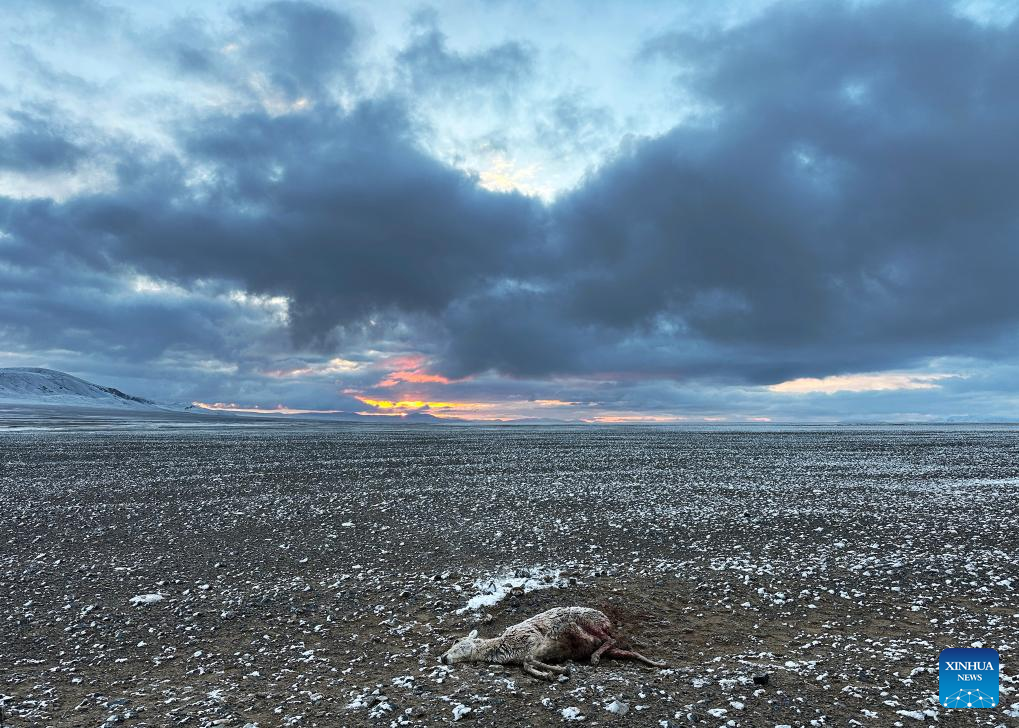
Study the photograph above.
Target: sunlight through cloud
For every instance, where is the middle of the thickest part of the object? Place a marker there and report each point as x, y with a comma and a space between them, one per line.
878, 382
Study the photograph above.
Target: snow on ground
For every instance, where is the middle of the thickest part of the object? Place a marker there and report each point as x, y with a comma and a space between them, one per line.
143, 599
493, 589
796, 577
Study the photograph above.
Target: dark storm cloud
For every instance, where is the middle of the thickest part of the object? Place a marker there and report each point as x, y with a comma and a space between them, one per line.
341, 213
300, 45
52, 305
846, 202
37, 143
849, 204
515, 331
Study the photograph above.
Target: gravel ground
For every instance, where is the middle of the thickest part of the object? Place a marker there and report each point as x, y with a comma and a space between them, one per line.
310, 575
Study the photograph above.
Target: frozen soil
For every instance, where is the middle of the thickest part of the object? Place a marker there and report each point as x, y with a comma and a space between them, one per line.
310, 575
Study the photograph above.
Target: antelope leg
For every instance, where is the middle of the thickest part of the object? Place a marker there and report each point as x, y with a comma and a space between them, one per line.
617, 652
607, 645
532, 670
551, 668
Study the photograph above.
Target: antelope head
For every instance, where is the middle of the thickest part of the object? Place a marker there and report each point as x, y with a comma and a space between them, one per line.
462, 651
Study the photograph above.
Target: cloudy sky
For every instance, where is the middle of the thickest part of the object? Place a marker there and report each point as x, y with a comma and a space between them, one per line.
742, 210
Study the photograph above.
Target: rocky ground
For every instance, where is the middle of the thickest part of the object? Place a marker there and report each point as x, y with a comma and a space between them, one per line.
310, 575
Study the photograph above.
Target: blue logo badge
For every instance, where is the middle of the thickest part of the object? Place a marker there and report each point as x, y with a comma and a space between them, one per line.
968, 677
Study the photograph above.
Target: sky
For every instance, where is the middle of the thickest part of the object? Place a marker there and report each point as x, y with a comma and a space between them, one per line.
735, 211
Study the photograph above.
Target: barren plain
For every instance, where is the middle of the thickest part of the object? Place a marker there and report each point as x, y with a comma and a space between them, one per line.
309, 575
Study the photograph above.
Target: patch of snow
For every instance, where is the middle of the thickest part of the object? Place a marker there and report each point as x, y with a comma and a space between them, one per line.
143, 599
617, 707
572, 714
493, 589
914, 714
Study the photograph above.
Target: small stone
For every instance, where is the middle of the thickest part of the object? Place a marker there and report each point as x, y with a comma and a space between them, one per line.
761, 678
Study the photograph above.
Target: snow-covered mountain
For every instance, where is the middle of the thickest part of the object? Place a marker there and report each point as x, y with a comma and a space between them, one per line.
31, 386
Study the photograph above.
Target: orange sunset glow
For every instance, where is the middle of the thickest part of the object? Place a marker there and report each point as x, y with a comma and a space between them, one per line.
405, 404
457, 410
408, 369
414, 377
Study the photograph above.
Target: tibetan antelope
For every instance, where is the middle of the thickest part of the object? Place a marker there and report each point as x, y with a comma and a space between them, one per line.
564, 633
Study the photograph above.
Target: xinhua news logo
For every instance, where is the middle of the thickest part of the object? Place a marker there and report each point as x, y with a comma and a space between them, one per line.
968, 677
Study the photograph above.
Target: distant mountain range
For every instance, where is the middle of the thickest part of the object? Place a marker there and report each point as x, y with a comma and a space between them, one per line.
35, 386
48, 390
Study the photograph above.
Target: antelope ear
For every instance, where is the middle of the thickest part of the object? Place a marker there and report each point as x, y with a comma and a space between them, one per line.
473, 634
